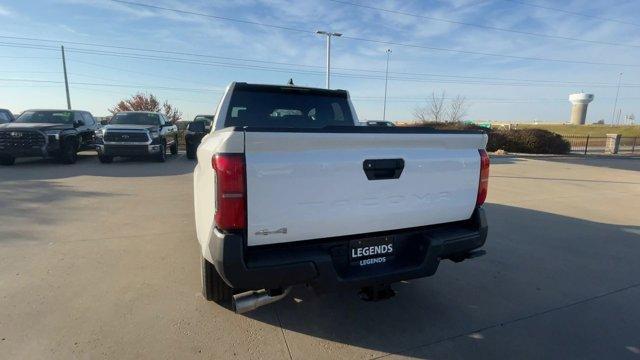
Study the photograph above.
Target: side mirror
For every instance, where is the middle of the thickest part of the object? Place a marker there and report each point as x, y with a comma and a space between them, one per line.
197, 127
104, 122
79, 123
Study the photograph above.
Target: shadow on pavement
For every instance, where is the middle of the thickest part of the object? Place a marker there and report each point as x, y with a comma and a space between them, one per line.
568, 180
537, 264
88, 164
34, 200
631, 163
504, 159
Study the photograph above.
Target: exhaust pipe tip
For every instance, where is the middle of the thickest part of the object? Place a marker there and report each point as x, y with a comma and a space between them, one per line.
251, 300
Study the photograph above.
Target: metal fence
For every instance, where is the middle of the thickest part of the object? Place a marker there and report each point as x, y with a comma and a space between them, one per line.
629, 144
586, 144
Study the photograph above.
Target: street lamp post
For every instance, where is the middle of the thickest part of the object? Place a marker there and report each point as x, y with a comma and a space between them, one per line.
386, 80
66, 81
615, 104
328, 35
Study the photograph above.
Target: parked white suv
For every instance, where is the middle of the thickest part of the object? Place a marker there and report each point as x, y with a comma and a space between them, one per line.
288, 190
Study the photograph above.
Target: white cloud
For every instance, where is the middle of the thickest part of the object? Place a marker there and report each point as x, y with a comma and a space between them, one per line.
113, 23
4, 11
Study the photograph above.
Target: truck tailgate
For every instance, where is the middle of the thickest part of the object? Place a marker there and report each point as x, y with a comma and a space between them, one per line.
311, 185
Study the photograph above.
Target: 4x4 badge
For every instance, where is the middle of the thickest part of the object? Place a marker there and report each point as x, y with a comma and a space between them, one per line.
16, 134
267, 232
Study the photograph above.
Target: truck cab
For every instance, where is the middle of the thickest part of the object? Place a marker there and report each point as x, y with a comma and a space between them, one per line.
6, 116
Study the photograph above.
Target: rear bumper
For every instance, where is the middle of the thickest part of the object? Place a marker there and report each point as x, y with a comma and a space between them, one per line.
324, 264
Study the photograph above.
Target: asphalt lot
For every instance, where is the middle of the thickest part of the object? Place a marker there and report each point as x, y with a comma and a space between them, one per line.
101, 261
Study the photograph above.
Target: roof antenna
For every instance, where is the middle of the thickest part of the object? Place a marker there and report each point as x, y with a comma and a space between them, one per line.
290, 83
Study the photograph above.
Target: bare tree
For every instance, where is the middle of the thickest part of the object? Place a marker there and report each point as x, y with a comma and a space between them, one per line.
420, 114
457, 109
435, 109
172, 113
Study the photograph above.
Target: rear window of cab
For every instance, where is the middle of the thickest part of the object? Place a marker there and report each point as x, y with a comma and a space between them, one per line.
274, 107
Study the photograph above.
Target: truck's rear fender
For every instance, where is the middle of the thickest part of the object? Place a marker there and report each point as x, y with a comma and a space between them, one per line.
222, 141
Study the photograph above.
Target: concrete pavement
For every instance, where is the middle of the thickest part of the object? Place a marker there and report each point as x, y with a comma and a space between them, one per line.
101, 261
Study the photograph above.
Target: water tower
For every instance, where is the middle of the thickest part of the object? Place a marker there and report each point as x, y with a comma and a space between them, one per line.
580, 102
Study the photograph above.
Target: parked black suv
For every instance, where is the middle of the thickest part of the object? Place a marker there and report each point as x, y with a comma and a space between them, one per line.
137, 133
196, 130
6, 116
46, 133
380, 123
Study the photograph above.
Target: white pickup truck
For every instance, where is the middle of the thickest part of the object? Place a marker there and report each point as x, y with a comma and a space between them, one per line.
290, 190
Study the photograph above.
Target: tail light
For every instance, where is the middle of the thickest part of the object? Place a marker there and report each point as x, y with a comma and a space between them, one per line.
483, 186
231, 205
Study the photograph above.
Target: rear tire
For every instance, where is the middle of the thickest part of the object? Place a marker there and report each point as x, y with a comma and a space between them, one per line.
213, 287
174, 148
162, 155
69, 152
191, 152
7, 160
105, 159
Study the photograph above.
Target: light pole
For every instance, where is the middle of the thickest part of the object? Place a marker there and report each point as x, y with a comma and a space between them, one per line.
386, 80
328, 35
615, 104
66, 82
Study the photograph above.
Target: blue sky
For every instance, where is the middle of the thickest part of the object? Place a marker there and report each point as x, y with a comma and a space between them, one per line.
234, 51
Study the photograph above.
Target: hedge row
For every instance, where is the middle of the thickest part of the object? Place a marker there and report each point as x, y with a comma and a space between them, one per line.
529, 141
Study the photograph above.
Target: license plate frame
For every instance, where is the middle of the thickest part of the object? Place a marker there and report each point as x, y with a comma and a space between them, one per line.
371, 251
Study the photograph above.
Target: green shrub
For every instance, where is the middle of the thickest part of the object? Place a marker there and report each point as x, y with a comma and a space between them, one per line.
529, 141
533, 141
452, 126
497, 140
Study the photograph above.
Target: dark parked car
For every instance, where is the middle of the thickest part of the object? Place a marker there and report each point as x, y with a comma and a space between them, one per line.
196, 130
6, 116
380, 123
206, 119
47, 133
137, 133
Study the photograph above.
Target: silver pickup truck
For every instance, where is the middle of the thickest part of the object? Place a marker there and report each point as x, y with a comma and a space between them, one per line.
137, 133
